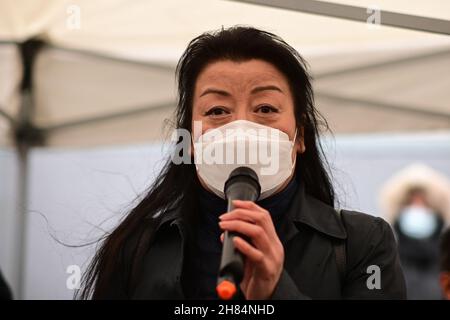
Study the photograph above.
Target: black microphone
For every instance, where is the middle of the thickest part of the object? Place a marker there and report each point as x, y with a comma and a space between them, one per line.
242, 184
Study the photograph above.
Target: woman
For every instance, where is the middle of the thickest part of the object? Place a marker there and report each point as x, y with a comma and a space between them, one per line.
415, 201
295, 245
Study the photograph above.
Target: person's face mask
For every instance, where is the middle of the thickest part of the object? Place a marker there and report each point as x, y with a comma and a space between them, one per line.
417, 222
266, 150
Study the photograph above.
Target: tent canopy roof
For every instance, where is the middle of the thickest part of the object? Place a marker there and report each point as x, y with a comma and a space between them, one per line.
112, 79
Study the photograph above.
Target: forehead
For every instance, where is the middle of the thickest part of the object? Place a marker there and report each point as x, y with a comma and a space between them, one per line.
251, 72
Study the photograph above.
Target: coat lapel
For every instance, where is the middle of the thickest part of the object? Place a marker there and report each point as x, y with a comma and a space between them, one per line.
306, 210
161, 277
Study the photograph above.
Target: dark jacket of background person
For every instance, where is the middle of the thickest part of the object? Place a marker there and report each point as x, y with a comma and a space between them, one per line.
5, 292
420, 263
308, 235
445, 264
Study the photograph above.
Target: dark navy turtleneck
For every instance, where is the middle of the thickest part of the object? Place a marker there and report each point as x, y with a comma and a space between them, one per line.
203, 261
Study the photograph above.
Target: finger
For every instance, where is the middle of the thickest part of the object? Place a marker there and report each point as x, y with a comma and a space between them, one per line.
221, 237
261, 218
247, 205
256, 233
248, 250
242, 214
250, 205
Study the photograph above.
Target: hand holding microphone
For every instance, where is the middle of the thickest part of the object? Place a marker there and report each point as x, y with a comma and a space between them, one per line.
249, 235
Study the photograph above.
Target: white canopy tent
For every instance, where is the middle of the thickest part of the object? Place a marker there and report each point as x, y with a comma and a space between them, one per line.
104, 74
107, 69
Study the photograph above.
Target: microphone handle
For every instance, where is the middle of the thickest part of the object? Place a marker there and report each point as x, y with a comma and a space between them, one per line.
232, 262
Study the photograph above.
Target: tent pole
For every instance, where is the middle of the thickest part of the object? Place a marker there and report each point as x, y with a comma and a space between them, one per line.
383, 64
5, 115
20, 226
348, 12
106, 117
26, 135
429, 112
21, 220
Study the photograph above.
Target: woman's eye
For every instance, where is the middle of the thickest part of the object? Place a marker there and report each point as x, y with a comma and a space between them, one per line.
266, 109
216, 111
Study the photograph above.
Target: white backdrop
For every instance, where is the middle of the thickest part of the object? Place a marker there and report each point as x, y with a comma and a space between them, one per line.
73, 193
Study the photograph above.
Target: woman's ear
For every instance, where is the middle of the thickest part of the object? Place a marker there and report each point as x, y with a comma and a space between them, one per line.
300, 141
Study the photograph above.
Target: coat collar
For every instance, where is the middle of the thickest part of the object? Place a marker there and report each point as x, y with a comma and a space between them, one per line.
316, 214
170, 216
304, 210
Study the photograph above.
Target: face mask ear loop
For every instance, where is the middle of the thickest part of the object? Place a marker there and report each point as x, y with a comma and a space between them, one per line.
295, 136
292, 147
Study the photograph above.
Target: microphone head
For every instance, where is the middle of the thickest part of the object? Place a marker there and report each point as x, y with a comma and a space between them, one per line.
243, 175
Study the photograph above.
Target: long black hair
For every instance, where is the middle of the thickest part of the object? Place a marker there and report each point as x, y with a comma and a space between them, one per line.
176, 181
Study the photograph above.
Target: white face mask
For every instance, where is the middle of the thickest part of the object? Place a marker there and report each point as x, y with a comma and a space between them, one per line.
266, 150
417, 222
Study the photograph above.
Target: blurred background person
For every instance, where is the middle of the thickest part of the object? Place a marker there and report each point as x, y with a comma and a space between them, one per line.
5, 292
416, 203
445, 264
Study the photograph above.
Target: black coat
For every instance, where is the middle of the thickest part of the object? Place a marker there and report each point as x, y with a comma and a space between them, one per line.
5, 292
309, 234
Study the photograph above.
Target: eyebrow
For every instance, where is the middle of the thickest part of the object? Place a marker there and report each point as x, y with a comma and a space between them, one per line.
265, 88
227, 94
215, 91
